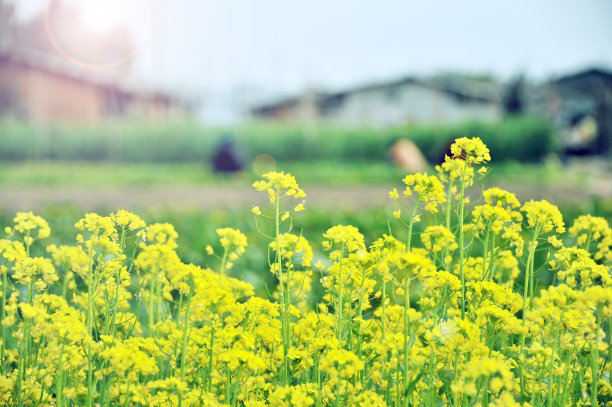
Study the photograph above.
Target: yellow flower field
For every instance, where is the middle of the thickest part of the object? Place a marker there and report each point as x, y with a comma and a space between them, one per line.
457, 315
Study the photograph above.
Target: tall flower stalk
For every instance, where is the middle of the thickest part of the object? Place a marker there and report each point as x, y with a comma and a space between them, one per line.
279, 186
466, 153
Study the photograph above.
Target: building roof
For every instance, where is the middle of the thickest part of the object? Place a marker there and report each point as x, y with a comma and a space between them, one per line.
58, 66
463, 87
592, 72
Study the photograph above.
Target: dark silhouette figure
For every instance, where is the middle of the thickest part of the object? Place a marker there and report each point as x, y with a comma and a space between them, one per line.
514, 96
441, 153
227, 157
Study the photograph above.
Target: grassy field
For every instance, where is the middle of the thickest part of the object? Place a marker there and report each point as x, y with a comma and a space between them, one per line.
51, 173
517, 138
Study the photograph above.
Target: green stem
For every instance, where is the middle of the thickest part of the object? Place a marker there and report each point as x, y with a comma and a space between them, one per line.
283, 293
449, 205
340, 305
549, 397
210, 355
406, 342
223, 260
587, 244
529, 272
431, 396
65, 284
21, 373
461, 244
184, 347
491, 259
595, 359
528, 278
228, 381
2, 328
485, 394
319, 387
358, 326
384, 307
385, 372
411, 224
60, 378
397, 382
152, 302
485, 254
89, 399
111, 327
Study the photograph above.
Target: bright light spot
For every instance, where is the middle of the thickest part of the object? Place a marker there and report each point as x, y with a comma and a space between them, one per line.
263, 163
102, 15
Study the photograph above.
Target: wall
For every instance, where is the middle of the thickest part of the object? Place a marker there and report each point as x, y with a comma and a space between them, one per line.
409, 103
48, 97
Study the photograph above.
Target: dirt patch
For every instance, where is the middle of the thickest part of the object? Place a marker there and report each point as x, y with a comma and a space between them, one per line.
219, 197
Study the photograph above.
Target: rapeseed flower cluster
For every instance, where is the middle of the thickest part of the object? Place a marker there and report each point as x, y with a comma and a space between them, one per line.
462, 316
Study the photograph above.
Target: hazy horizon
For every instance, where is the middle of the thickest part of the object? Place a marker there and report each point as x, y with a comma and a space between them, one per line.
279, 47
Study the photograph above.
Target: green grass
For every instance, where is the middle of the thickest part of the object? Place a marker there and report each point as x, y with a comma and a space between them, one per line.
70, 173
96, 174
517, 138
550, 173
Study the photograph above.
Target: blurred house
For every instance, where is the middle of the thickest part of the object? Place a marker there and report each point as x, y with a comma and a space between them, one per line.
580, 105
444, 99
42, 88
39, 84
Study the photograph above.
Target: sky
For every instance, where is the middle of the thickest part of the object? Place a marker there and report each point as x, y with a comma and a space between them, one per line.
285, 46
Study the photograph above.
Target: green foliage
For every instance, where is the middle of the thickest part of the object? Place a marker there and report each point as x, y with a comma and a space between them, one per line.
521, 138
104, 173
197, 229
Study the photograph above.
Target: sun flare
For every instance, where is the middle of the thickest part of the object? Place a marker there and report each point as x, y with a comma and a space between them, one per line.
102, 15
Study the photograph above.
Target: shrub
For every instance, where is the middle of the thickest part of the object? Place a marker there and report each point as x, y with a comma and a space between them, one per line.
522, 139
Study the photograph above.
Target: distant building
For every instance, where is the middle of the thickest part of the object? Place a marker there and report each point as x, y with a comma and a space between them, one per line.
440, 100
580, 105
41, 88
38, 84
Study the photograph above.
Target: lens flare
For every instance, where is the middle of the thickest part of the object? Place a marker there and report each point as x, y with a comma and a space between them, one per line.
263, 163
101, 15
98, 15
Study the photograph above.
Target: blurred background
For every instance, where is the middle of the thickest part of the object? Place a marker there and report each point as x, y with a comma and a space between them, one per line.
173, 108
